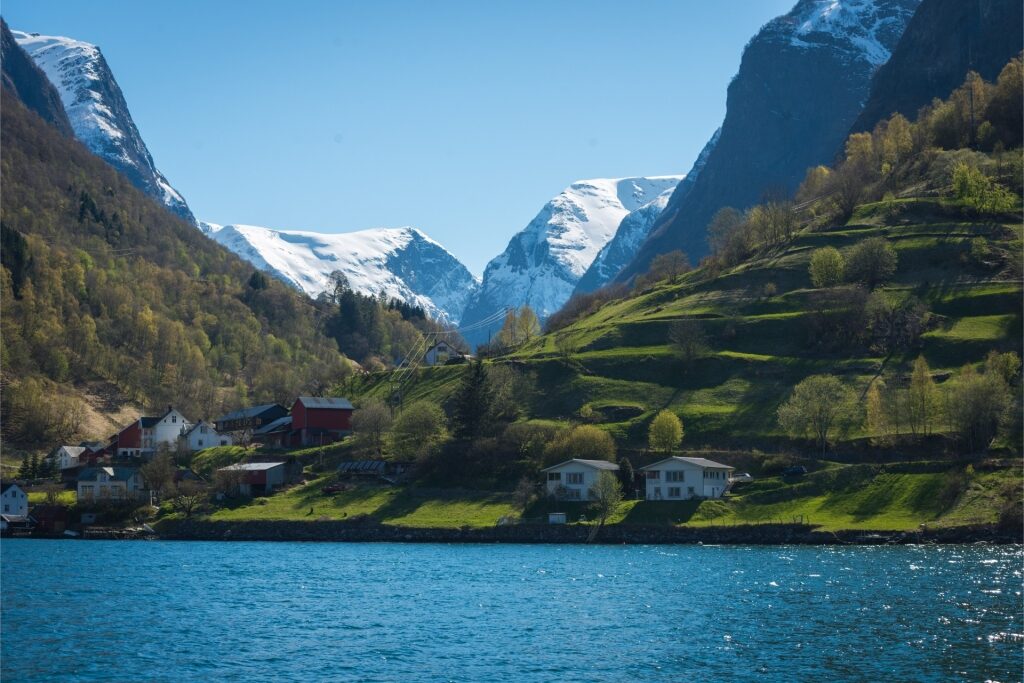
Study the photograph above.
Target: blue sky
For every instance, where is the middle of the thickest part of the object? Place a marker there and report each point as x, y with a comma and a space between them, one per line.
460, 118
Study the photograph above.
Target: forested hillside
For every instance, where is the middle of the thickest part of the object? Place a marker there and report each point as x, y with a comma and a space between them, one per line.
104, 291
887, 291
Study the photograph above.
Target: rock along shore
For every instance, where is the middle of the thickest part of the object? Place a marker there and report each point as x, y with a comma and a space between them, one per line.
762, 534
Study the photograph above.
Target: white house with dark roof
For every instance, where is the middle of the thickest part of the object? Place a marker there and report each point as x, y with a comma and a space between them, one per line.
202, 434
678, 478
573, 479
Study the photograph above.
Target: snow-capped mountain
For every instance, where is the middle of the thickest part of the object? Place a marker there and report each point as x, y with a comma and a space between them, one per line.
400, 262
802, 82
98, 112
542, 264
635, 227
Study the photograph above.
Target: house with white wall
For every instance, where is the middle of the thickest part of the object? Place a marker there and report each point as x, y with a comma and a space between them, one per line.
111, 484
574, 479
68, 457
202, 434
678, 478
13, 500
440, 353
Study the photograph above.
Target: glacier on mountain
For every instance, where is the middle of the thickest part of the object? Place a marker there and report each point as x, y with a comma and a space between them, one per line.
542, 263
401, 263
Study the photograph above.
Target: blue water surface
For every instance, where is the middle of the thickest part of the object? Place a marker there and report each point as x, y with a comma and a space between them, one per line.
195, 611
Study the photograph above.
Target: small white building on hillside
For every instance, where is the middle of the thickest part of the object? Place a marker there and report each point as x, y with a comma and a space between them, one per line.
679, 478
68, 457
573, 479
202, 435
13, 500
440, 353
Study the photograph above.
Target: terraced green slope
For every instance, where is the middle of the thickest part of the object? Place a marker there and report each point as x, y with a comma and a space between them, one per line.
755, 316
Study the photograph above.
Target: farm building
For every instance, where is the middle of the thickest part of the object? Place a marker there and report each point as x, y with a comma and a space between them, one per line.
259, 478
679, 478
319, 420
573, 479
250, 419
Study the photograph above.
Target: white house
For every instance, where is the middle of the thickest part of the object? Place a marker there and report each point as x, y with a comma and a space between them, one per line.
68, 457
164, 430
573, 479
202, 435
13, 501
440, 353
110, 484
679, 478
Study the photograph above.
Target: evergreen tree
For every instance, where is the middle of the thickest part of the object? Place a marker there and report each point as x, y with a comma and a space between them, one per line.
473, 402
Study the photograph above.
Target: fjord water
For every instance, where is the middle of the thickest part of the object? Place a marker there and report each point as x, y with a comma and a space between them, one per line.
179, 611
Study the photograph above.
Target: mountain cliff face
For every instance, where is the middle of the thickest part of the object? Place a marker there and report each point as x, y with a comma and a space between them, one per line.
944, 40
98, 113
24, 80
542, 263
399, 262
802, 82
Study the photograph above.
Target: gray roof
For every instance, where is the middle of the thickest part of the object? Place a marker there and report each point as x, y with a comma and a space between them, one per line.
116, 473
253, 466
249, 412
73, 450
278, 424
4, 487
336, 403
596, 464
699, 462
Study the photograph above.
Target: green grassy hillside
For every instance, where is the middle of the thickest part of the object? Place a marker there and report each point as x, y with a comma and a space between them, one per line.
756, 318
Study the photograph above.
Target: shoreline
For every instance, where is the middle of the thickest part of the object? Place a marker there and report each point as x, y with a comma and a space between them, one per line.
347, 532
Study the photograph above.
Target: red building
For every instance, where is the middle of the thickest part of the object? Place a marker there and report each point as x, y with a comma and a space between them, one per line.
317, 420
128, 441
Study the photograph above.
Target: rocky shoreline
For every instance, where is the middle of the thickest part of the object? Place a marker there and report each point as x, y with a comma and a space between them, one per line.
762, 534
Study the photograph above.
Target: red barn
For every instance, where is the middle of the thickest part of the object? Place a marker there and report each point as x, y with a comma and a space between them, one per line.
317, 420
128, 442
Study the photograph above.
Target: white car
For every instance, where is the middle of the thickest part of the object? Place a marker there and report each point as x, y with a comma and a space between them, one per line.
741, 477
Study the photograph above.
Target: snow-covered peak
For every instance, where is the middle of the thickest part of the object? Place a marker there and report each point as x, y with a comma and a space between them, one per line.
868, 29
403, 263
542, 263
98, 112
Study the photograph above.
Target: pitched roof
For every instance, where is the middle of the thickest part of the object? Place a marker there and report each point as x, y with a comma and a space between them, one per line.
4, 487
252, 411
72, 450
197, 424
148, 421
331, 402
280, 424
596, 464
367, 466
253, 466
699, 462
115, 473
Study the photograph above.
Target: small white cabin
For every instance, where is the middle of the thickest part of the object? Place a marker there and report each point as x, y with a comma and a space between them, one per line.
440, 353
679, 478
13, 500
573, 479
68, 457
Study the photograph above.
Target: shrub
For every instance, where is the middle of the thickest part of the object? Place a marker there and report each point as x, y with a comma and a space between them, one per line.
827, 267
871, 262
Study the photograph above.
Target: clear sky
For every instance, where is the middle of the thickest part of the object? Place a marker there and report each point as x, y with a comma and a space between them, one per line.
459, 118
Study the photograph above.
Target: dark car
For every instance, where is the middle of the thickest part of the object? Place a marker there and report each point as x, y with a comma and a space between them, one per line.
335, 488
794, 471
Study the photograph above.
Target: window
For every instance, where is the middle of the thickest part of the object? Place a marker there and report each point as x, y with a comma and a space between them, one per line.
573, 477
7, 508
691, 491
675, 475
657, 492
174, 418
554, 476
200, 443
653, 474
572, 494
675, 492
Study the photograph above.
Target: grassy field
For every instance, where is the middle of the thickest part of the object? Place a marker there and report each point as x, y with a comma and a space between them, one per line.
65, 498
755, 317
391, 505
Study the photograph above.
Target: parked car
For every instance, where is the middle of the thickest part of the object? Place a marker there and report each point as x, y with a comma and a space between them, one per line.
742, 477
794, 471
335, 488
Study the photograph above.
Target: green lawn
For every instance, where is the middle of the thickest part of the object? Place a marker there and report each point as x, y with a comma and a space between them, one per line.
391, 505
65, 497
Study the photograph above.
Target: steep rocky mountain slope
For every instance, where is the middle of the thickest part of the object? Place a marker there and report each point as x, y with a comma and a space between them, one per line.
801, 84
24, 80
98, 112
944, 40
